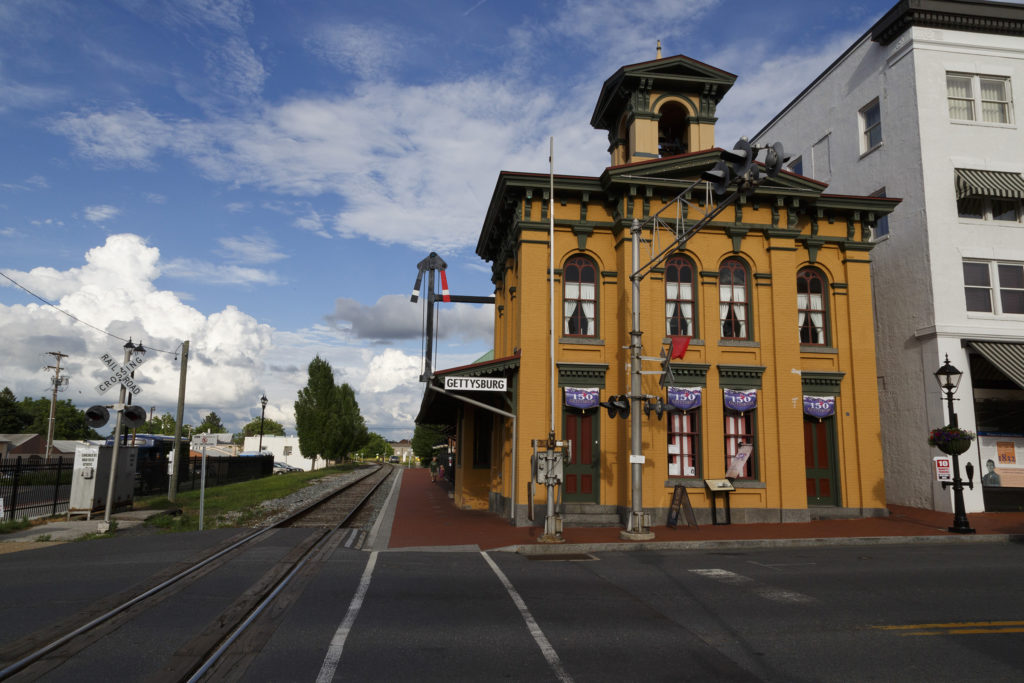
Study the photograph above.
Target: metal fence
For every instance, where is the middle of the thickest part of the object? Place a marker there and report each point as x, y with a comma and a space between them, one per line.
30, 489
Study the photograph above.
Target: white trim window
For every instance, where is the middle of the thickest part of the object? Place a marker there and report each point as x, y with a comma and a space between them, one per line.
870, 126
994, 287
580, 297
684, 443
970, 93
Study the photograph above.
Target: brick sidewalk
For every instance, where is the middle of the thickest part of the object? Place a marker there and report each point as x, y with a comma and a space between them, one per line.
425, 517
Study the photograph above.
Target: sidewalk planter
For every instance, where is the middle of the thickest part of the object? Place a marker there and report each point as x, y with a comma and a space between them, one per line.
951, 440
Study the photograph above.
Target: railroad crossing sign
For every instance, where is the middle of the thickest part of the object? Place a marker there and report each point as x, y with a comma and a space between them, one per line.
121, 374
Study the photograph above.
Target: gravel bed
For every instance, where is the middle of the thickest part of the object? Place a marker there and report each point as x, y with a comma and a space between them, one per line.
280, 508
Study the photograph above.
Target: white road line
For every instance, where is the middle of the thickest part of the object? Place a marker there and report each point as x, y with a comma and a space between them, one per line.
538, 635
766, 592
330, 664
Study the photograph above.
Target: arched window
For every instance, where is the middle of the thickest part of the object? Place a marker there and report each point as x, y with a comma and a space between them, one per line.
679, 297
810, 303
579, 296
732, 300
672, 130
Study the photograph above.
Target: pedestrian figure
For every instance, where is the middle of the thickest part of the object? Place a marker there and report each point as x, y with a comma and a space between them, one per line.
433, 469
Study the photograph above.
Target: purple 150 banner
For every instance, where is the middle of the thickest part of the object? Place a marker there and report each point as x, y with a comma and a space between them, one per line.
820, 406
581, 398
740, 400
684, 398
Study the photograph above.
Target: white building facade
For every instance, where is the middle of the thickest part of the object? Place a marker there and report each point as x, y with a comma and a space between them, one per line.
285, 449
923, 107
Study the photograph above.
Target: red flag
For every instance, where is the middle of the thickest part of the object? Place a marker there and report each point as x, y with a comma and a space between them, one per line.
679, 346
445, 295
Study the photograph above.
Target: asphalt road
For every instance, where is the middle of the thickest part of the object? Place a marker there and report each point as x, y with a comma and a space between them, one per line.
829, 614
881, 613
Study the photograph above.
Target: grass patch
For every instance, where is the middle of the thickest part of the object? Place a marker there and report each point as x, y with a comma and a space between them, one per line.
233, 505
12, 525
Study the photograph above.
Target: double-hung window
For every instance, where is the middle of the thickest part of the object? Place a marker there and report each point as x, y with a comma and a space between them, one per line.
732, 299
679, 293
811, 311
870, 127
684, 443
739, 430
579, 297
973, 97
994, 287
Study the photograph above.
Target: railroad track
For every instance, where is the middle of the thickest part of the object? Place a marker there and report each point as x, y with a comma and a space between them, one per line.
212, 652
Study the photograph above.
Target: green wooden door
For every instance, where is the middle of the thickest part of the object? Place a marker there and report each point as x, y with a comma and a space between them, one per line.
820, 460
583, 473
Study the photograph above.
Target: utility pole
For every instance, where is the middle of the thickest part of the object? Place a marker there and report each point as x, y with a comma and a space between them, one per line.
172, 487
57, 384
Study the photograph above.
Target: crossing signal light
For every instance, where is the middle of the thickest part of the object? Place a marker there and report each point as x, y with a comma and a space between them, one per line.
740, 158
775, 157
718, 177
655, 404
96, 416
617, 406
134, 416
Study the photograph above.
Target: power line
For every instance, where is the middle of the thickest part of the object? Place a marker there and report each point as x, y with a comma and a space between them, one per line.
76, 319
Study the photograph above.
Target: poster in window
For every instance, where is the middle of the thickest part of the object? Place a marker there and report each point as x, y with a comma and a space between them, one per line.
1000, 465
739, 461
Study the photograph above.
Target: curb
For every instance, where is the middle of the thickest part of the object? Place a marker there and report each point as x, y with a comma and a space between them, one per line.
752, 544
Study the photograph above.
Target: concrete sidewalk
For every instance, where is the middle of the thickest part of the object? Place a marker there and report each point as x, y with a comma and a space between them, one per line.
62, 531
425, 517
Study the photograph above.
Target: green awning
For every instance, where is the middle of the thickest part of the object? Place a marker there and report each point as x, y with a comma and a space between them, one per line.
974, 183
1007, 357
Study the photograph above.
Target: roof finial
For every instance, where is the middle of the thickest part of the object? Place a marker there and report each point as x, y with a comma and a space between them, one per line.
659, 50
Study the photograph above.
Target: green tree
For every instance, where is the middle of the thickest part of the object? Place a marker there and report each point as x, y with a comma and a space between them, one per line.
424, 438
163, 424
13, 417
327, 416
212, 424
68, 421
270, 428
376, 445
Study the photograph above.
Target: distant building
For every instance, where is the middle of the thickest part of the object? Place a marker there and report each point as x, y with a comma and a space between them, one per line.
284, 448
403, 449
922, 107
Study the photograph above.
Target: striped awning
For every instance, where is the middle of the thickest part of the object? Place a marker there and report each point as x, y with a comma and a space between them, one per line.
1007, 357
975, 183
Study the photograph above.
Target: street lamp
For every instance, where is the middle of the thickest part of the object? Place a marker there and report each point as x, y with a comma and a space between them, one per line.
948, 378
263, 411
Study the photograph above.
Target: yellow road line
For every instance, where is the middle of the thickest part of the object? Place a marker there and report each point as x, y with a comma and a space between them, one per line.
955, 628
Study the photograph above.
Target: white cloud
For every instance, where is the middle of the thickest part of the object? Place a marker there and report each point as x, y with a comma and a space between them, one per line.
101, 213
395, 317
113, 293
367, 51
251, 249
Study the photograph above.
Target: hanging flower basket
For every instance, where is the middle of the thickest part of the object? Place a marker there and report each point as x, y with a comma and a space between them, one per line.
951, 440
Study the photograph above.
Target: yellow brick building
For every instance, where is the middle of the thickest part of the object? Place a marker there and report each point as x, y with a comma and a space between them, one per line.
774, 295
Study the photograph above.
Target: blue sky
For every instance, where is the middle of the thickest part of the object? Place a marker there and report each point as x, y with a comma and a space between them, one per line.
261, 178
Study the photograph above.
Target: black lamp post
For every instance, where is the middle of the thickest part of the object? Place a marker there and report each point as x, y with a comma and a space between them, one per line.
263, 411
948, 378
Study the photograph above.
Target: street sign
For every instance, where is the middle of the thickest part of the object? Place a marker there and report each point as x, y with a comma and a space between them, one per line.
943, 468
475, 384
120, 374
204, 440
